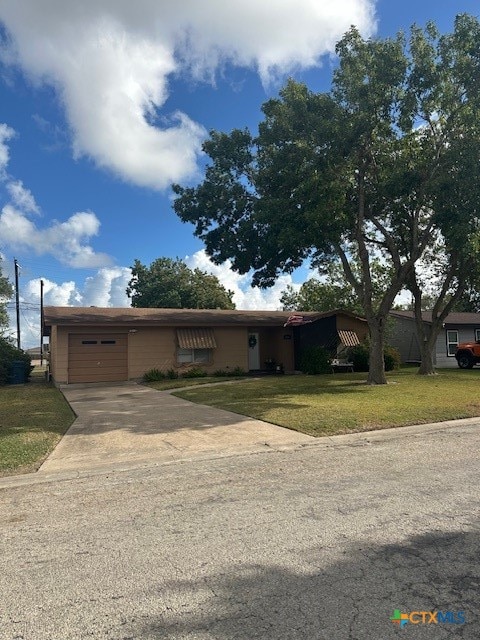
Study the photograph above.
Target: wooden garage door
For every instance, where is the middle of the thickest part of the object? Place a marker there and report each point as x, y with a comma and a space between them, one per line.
97, 357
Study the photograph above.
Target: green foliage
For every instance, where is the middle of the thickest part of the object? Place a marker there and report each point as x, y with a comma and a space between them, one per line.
384, 163
6, 293
154, 375
171, 374
360, 354
8, 355
315, 360
392, 359
194, 372
334, 291
236, 372
170, 284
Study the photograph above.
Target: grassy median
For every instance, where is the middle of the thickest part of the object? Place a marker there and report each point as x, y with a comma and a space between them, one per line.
342, 403
33, 418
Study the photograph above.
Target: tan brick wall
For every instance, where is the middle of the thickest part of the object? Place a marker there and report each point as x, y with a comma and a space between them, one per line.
273, 346
345, 323
155, 347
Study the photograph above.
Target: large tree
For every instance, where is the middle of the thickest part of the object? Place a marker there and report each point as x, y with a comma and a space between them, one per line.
363, 171
332, 291
168, 283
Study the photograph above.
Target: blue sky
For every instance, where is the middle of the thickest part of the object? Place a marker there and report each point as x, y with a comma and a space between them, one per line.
104, 103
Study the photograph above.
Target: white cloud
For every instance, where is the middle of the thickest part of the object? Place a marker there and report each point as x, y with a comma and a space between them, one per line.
111, 61
244, 295
6, 133
22, 197
107, 288
63, 240
66, 241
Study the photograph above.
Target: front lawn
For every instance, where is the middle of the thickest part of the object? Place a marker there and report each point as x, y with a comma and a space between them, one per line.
33, 418
342, 403
163, 385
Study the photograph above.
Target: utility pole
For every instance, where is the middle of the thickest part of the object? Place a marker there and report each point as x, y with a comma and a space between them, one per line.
41, 323
17, 302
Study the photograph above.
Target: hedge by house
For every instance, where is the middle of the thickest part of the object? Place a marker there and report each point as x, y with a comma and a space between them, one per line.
8, 355
359, 356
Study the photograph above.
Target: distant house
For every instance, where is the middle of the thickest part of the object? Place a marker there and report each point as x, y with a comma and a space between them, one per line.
107, 344
457, 327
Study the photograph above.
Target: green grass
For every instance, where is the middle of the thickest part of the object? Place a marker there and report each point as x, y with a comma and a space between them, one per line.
163, 385
342, 403
33, 418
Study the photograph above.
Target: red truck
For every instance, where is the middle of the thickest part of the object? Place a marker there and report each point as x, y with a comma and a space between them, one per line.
468, 354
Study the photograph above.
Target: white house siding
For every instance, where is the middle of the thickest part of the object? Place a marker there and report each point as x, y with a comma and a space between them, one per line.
465, 334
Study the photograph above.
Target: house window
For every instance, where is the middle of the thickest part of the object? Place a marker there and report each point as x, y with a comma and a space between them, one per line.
193, 356
452, 342
477, 335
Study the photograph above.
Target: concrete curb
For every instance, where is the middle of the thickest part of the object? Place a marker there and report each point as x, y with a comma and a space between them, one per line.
364, 438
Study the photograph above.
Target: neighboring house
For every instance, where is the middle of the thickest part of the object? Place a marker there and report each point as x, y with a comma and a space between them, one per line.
106, 344
457, 327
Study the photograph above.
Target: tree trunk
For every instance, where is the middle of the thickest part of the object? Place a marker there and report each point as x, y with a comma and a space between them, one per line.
376, 372
427, 368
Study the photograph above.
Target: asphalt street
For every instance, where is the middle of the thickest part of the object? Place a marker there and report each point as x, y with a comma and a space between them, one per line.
321, 541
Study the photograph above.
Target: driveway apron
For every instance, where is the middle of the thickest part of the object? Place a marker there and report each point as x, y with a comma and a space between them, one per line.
127, 424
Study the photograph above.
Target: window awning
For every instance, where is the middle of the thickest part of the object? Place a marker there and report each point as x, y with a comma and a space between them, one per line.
348, 338
196, 339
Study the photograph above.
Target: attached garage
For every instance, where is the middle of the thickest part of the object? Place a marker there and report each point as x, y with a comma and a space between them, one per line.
97, 357
100, 344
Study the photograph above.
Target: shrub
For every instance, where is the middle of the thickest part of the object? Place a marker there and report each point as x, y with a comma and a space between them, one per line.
392, 359
359, 356
8, 355
154, 375
238, 371
194, 372
224, 373
315, 360
171, 374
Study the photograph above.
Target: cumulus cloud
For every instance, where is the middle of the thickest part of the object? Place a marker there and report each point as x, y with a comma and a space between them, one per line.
111, 62
107, 288
6, 133
22, 197
63, 240
244, 295
67, 241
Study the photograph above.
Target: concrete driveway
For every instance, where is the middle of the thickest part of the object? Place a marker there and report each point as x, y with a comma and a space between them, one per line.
127, 424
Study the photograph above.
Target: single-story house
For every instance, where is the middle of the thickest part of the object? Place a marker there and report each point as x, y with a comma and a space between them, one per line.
458, 327
113, 344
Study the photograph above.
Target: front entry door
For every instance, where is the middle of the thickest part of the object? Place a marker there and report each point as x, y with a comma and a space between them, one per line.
253, 352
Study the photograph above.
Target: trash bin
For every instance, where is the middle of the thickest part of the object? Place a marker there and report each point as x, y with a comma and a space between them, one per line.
17, 375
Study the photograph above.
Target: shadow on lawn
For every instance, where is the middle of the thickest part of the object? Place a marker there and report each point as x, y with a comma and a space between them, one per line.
351, 598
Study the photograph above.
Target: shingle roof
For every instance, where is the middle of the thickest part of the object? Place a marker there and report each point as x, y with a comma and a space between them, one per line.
172, 317
452, 318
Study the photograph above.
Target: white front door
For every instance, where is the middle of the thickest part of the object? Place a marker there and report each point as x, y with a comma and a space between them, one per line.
253, 352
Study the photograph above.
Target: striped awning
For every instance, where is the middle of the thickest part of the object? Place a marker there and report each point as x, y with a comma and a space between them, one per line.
196, 339
348, 338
